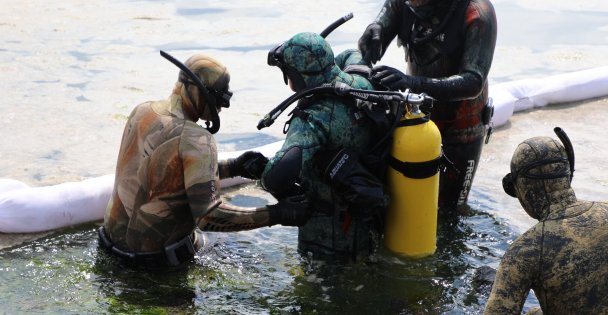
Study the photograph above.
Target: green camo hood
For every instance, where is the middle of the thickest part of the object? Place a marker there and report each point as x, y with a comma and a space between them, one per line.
308, 61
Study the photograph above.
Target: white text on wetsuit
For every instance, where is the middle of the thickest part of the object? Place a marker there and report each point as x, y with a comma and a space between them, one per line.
467, 182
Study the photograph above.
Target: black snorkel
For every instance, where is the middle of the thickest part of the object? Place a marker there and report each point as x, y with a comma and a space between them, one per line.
335, 25
275, 59
563, 137
214, 125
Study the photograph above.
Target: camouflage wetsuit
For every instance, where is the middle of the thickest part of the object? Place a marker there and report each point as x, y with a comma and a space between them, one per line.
326, 123
167, 176
167, 182
563, 257
450, 58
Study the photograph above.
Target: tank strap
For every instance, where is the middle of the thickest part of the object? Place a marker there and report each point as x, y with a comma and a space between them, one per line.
414, 121
417, 170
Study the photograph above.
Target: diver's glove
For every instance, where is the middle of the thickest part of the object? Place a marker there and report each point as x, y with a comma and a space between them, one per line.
250, 165
394, 79
370, 43
290, 211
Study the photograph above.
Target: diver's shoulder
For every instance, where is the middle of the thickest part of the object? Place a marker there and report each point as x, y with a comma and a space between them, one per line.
480, 8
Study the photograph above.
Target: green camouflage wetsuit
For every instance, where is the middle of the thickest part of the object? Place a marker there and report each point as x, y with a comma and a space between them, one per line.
326, 123
563, 257
449, 47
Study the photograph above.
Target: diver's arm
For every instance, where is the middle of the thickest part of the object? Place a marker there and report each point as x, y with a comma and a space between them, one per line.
514, 276
468, 83
283, 171
390, 18
230, 218
212, 215
380, 33
198, 153
480, 41
290, 211
304, 139
250, 165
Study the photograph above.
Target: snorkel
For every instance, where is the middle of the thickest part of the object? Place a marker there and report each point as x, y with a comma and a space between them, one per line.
335, 25
212, 126
563, 137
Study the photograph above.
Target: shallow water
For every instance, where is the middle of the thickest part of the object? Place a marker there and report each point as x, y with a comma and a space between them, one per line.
249, 272
71, 73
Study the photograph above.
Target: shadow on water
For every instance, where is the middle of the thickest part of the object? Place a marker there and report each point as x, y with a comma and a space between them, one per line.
253, 272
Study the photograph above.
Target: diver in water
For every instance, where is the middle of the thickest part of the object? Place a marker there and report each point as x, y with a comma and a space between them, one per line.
449, 46
563, 257
326, 135
167, 176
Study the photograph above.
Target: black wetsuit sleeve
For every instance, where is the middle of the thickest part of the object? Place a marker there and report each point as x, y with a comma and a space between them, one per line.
480, 41
390, 18
281, 178
465, 85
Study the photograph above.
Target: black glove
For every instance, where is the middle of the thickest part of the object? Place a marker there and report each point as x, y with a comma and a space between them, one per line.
250, 165
394, 79
290, 211
370, 43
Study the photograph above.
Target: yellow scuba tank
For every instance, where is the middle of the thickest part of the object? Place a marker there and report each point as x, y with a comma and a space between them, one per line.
413, 178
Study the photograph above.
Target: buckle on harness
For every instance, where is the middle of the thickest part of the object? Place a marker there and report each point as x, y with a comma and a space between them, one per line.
167, 257
172, 248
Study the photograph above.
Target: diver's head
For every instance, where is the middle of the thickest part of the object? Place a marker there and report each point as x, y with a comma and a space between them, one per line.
541, 171
215, 78
426, 9
306, 60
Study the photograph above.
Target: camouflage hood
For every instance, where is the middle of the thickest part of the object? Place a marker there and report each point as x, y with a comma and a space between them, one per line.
307, 60
541, 174
211, 72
